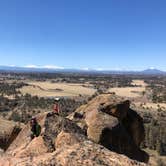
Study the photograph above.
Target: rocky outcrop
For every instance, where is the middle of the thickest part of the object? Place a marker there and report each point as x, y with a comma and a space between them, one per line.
8, 132
22, 141
54, 125
85, 153
62, 143
110, 122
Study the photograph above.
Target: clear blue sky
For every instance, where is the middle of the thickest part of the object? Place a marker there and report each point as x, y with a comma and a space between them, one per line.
109, 34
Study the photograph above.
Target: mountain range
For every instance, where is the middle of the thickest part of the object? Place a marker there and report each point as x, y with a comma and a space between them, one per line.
59, 69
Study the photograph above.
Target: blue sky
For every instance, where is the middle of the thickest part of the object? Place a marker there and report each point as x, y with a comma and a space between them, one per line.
108, 34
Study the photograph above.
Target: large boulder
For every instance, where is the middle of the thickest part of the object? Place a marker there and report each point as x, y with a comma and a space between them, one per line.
61, 143
108, 120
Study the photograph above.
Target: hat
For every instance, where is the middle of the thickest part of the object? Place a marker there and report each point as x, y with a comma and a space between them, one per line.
57, 99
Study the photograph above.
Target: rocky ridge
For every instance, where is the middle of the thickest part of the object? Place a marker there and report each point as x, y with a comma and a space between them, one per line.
93, 135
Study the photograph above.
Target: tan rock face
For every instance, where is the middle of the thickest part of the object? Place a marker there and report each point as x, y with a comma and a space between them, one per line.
63, 143
86, 154
67, 139
112, 123
34, 148
96, 122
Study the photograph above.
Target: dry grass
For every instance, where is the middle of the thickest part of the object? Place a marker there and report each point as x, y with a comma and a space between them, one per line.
130, 91
48, 89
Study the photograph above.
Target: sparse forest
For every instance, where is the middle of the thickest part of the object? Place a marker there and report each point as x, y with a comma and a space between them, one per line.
155, 138
158, 86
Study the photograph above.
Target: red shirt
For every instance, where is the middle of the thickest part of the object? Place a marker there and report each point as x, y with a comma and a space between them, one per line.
56, 108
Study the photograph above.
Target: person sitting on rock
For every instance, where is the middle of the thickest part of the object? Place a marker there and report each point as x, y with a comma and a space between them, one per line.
56, 106
35, 128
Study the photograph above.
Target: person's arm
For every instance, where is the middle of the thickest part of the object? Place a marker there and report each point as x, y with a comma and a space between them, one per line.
58, 110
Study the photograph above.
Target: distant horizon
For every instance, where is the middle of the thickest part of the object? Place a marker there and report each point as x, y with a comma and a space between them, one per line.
54, 67
114, 35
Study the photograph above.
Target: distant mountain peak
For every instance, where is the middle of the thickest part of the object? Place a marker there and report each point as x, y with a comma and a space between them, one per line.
153, 71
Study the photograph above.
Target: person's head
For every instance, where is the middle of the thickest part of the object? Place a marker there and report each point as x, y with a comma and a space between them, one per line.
33, 120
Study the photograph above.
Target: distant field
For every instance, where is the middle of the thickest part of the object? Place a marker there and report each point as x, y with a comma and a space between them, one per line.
130, 91
139, 83
48, 89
